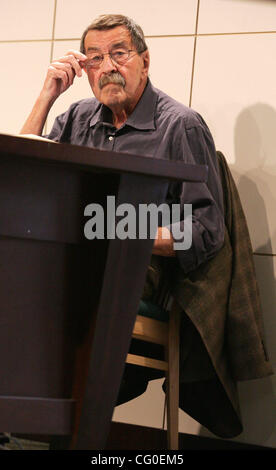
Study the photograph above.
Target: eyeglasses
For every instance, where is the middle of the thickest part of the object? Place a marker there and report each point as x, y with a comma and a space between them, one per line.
119, 57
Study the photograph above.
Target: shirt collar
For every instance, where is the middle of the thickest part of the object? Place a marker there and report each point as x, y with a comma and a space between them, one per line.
142, 116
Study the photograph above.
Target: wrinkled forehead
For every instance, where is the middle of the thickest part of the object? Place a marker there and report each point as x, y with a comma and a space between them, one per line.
107, 39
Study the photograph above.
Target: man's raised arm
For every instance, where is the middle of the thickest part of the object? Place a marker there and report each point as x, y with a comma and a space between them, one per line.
60, 76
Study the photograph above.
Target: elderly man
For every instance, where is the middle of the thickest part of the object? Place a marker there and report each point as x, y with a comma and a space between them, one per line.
129, 115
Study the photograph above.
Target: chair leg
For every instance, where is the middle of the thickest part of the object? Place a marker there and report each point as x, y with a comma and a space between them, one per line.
173, 378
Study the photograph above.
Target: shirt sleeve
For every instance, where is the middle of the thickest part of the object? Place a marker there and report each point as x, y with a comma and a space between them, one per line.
57, 130
206, 229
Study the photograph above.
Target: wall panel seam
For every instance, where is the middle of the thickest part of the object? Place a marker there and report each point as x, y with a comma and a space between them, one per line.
264, 254
194, 54
12, 41
52, 51
6, 41
234, 33
53, 30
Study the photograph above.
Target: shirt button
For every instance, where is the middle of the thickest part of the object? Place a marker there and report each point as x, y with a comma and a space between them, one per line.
110, 137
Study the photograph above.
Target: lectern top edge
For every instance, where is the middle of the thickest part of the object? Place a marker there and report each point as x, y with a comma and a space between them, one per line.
90, 159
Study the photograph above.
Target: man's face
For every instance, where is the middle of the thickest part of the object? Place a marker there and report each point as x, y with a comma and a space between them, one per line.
132, 74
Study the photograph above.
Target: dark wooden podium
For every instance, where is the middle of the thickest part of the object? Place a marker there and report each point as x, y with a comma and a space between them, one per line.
68, 304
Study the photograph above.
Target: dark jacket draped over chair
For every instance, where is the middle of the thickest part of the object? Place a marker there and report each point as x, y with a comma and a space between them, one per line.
222, 335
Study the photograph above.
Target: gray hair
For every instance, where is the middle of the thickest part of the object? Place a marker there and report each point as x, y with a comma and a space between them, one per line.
105, 22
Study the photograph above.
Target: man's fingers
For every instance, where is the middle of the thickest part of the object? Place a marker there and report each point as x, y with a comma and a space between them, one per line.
67, 68
61, 74
77, 54
74, 58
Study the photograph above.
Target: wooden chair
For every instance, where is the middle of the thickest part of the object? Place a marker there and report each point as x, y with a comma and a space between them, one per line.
163, 331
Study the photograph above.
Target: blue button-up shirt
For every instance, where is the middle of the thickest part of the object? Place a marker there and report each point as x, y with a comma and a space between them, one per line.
158, 127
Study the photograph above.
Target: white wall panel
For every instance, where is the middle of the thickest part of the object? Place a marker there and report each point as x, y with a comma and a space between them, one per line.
171, 65
26, 19
155, 16
147, 410
231, 16
21, 79
234, 89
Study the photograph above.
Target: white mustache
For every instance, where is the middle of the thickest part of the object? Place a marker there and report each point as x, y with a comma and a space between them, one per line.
112, 77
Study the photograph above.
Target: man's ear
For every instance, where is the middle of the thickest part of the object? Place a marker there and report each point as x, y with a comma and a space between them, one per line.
146, 62
146, 59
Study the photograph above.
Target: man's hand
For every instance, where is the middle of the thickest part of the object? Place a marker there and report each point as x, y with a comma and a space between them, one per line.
163, 243
61, 74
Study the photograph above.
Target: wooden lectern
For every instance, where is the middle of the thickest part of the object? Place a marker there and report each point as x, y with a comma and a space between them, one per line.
64, 298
